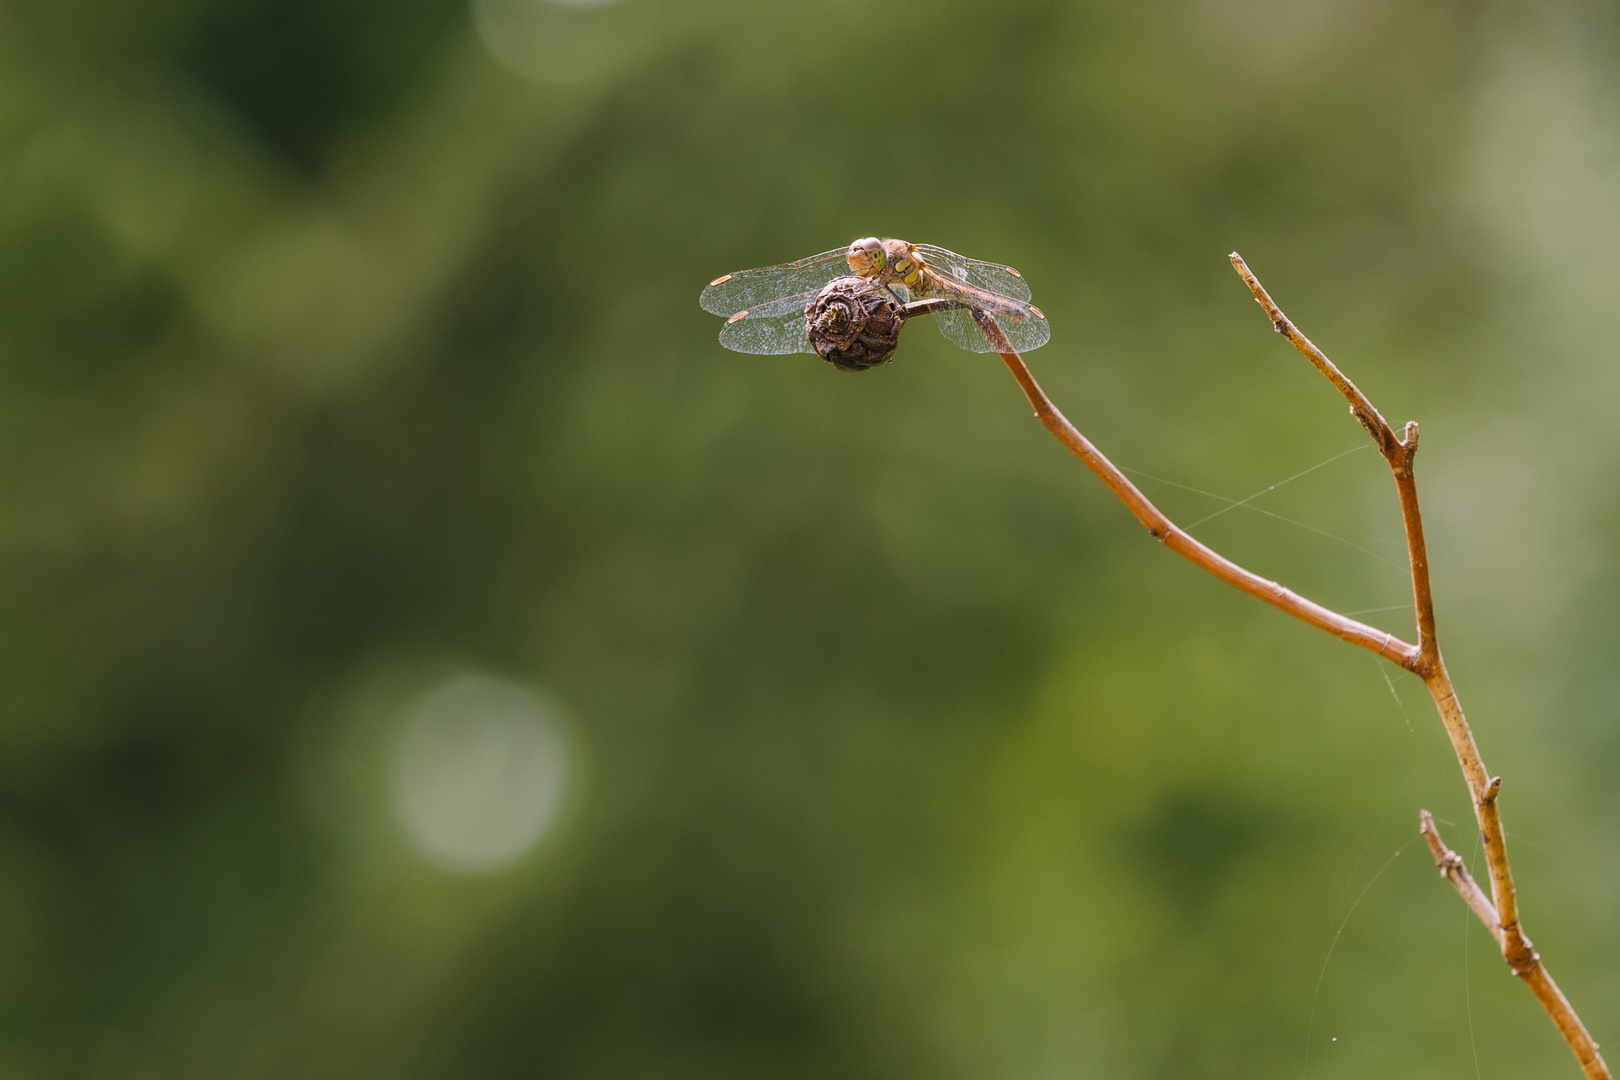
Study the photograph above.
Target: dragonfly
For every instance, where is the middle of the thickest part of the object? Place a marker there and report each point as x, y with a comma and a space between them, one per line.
764, 307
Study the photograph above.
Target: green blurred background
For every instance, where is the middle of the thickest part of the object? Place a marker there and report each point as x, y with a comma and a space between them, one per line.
427, 653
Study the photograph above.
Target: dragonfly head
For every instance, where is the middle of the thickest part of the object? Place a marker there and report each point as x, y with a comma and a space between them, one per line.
867, 257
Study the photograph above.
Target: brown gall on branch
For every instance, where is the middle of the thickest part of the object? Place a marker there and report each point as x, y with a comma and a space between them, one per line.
1423, 659
855, 325
852, 325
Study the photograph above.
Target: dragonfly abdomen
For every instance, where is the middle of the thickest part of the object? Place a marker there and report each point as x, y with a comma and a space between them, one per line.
936, 284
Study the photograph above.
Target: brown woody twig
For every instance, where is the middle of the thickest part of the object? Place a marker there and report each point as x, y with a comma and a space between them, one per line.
1499, 912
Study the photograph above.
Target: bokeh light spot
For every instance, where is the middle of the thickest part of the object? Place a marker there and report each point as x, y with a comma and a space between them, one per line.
563, 41
480, 771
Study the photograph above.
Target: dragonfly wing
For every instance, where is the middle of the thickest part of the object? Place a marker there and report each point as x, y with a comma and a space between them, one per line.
992, 277
1030, 332
769, 335
748, 289
1024, 333
783, 305
774, 327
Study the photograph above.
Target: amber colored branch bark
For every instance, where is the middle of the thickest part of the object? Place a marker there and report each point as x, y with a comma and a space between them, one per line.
1541, 982
1454, 870
1501, 917
1423, 659
1175, 538
1397, 452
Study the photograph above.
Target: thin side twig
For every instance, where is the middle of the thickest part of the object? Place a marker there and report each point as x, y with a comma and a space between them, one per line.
1454, 870
1536, 975
1423, 659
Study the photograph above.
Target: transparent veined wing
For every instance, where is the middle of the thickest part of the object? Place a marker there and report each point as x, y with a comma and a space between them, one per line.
770, 329
1026, 329
779, 326
746, 290
992, 277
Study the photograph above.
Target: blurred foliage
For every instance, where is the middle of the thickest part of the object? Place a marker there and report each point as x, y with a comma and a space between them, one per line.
341, 344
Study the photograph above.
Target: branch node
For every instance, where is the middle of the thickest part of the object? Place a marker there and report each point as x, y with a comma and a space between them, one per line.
1520, 955
1492, 790
1444, 857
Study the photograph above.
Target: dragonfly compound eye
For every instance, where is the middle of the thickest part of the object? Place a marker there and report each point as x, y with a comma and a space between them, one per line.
853, 324
866, 255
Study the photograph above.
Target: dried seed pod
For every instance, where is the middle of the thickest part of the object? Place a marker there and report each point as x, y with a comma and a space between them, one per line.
854, 324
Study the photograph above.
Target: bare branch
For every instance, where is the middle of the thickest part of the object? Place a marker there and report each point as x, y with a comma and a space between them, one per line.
1502, 917
1399, 453
1499, 912
1454, 870
1178, 540
1529, 968
1382, 434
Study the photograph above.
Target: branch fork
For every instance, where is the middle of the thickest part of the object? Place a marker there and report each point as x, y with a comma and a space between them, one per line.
1499, 911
